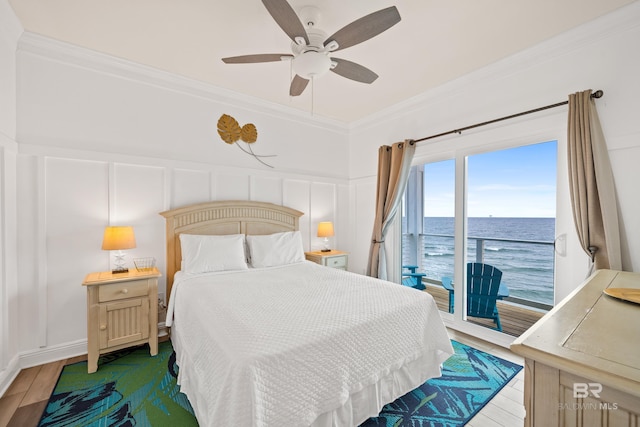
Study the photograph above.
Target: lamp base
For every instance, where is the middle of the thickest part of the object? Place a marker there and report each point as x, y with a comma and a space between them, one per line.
118, 263
325, 250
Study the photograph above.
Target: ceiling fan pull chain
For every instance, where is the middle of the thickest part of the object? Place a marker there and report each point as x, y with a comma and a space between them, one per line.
290, 78
313, 85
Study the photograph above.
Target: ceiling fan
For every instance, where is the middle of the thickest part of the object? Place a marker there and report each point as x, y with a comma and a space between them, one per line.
312, 48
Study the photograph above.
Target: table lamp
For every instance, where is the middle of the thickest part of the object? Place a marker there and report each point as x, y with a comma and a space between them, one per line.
325, 229
117, 239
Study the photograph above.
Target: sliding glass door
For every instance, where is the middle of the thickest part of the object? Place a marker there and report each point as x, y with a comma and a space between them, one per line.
507, 226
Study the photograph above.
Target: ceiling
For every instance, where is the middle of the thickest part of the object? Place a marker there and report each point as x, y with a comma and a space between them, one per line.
436, 41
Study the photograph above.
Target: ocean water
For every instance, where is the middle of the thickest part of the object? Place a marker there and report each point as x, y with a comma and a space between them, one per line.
527, 268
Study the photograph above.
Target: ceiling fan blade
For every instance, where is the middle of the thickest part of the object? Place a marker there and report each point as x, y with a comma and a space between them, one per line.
353, 71
298, 85
284, 15
365, 28
261, 57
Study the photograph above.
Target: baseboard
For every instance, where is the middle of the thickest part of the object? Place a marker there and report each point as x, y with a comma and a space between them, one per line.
63, 351
162, 330
8, 375
52, 354
47, 355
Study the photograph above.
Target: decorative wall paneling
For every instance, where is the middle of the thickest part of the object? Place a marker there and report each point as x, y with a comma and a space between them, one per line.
4, 306
10, 32
8, 263
190, 186
362, 202
73, 197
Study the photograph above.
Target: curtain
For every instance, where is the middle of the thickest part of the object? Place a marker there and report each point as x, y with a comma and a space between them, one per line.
592, 189
394, 164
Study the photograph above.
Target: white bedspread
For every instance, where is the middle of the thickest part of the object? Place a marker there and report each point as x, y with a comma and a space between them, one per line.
281, 346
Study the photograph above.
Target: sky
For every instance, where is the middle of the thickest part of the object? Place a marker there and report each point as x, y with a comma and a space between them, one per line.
517, 182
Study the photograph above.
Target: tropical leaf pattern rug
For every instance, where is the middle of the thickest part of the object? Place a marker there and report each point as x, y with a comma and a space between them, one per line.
131, 388
470, 379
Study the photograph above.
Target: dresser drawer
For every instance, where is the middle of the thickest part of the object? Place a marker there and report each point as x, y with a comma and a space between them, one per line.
116, 291
337, 262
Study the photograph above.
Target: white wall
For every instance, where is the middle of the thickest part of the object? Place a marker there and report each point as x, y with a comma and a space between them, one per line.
10, 31
103, 141
600, 55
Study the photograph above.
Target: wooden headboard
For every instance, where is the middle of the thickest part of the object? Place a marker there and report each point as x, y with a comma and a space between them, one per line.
220, 218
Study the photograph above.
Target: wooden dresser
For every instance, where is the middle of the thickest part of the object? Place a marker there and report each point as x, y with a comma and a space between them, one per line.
582, 359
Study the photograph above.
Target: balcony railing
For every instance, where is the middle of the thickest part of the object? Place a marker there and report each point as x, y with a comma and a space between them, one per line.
527, 265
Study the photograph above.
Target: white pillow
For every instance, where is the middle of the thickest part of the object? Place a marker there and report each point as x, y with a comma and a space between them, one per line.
204, 254
276, 249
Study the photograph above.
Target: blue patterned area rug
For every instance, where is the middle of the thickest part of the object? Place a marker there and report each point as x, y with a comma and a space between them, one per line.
132, 389
129, 389
470, 379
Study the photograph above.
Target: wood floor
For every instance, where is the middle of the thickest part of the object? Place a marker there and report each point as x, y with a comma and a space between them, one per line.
25, 400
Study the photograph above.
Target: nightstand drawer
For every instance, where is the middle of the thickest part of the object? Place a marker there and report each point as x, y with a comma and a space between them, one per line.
331, 259
116, 291
337, 262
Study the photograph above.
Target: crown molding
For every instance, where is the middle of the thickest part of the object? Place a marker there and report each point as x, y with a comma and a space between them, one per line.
616, 22
81, 57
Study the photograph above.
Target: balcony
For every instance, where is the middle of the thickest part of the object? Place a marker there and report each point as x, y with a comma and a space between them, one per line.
515, 318
527, 267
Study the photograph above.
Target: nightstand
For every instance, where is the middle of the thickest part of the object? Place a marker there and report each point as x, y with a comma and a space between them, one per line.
122, 311
333, 259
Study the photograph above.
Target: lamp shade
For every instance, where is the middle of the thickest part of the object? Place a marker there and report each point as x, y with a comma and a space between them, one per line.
118, 238
325, 229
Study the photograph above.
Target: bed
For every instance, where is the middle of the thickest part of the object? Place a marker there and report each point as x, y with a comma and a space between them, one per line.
280, 340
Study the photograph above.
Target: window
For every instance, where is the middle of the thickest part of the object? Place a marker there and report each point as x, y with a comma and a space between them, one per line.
509, 222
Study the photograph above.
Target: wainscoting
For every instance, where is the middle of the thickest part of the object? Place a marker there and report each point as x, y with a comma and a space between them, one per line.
70, 196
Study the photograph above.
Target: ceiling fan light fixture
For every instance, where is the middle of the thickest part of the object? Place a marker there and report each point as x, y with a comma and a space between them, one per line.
311, 64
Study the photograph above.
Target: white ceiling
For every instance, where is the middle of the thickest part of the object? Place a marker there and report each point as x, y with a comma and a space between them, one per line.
436, 41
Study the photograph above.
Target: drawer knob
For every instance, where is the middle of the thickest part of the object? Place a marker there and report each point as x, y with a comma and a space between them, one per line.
125, 291
103, 327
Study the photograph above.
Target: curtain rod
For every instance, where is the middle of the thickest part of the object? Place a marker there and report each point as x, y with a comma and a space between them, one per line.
597, 94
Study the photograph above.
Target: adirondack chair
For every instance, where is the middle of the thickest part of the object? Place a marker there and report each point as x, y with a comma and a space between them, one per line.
447, 283
483, 283
411, 278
